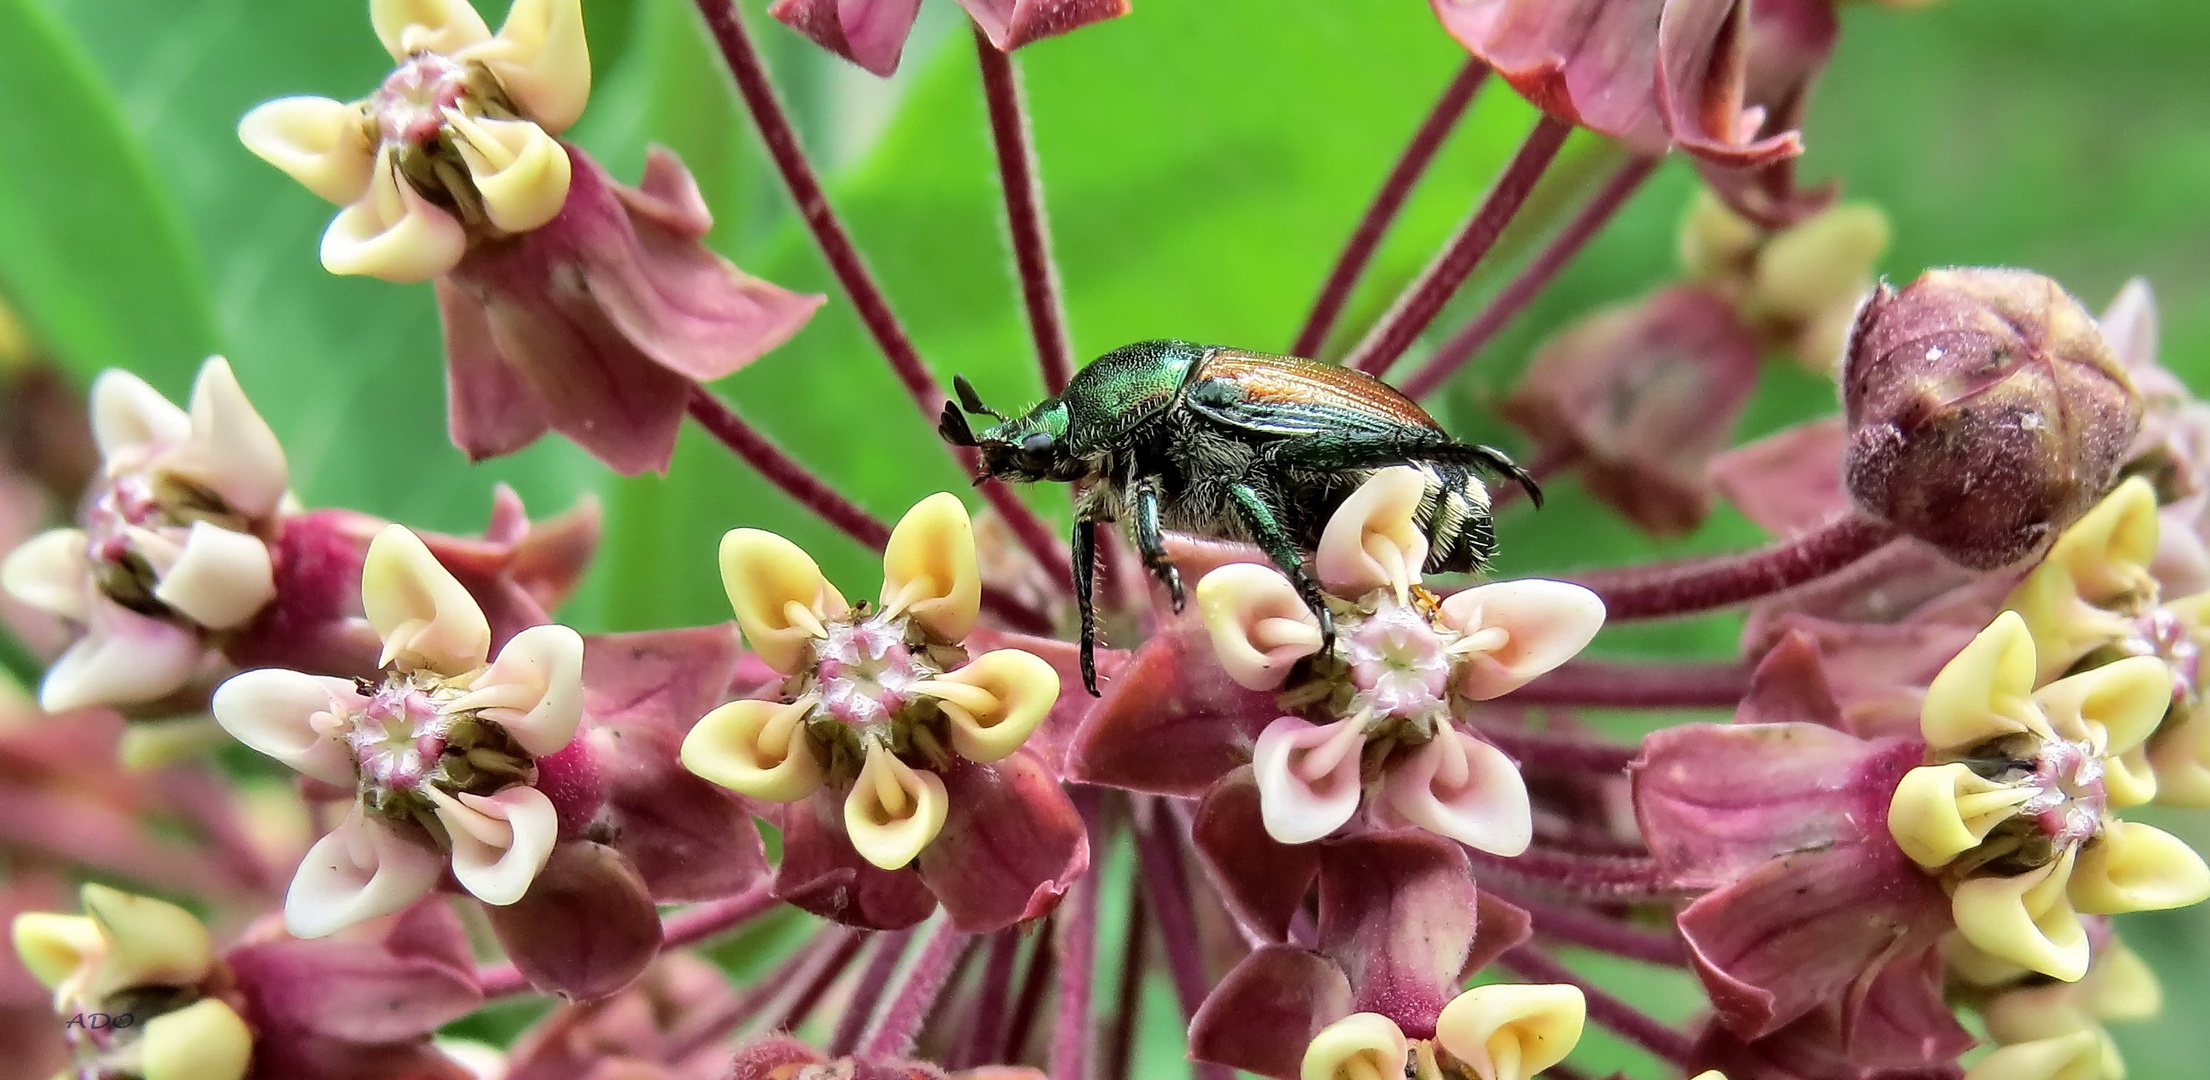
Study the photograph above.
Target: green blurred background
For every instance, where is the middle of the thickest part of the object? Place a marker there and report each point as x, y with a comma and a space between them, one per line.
1204, 160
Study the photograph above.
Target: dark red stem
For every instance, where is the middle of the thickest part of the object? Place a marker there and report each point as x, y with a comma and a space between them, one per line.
1425, 297
901, 1023
1165, 876
1024, 213
1532, 280
1120, 1039
1696, 585
1606, 878
703, 1030
783, 471
1074, 1025
1395, 189
1556, 752
836, 246
817, 987
1028, 1004
1636, 1026
986, 1030
874, 981
1602, 684
1588, 929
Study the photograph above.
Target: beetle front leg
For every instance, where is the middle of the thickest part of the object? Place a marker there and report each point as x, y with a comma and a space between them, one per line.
1266, 528
1151, 542
1085, 578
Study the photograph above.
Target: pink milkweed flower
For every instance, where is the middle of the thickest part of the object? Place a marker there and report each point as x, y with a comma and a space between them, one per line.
1382, 710
2014, 811
900, 758
781, 1057
442, 752
2097, 598
270, 1008
1401, 924
1651, 73
1815, 930
872, 33
570, 302
175, 546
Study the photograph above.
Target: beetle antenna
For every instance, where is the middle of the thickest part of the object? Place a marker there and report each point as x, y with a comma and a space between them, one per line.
971, 401
953, 426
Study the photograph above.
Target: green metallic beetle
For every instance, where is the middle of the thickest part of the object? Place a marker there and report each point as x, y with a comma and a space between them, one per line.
1236, 445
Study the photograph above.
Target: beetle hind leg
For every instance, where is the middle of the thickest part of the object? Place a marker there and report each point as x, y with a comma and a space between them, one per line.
1085, 578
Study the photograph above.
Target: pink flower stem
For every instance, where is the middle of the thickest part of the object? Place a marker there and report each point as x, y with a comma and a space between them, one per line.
1028, 1003
1120, 1038
85, 832
1556, 752
703, 1031
1636, 1026
207, 800
1590, 930
1532, 280
809, 996
1424, 299
1024, 213
1602, 684
1388, 202
1074, 1024
1697, 585
686, 927
1166, 884
780, 469
836, 245
1597, 878
874, 981
941, 955
986, 1028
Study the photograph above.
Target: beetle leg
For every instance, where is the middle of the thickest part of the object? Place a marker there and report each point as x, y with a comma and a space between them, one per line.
1150, 543
1085, 571
1266, 528
1383, 453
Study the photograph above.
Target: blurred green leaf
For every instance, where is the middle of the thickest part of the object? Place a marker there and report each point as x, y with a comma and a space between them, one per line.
92, 246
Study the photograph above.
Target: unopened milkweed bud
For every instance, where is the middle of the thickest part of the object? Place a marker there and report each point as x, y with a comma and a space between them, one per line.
1986, 412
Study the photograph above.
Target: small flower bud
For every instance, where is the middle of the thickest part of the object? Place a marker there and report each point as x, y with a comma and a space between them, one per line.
1986, 412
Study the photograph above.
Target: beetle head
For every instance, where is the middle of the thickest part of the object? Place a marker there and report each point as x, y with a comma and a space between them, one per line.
1025, 449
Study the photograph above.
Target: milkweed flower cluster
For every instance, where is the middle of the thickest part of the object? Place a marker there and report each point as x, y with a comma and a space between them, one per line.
1349, 809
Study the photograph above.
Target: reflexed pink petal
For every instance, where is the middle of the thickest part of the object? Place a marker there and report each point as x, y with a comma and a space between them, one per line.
1790, 686
1788, 43
1717, 801
1589, 62
347, 990
1171, 722
1012, 845
1808, 928
1641, 396
870, 33
691, 311
1261, 880
124, 658
1500, 927
490, 410
1010, 24
1460, 787
363, 869
1701, 85
822, 873
586, 928
1308, 777
1790, 481
1263, 1014
284, 714
1397, 913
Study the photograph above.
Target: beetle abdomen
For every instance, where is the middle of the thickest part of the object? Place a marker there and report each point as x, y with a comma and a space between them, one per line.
1455, 516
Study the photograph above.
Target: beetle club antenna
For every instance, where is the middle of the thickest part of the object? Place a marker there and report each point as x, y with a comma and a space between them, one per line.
953, 426
971, 401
